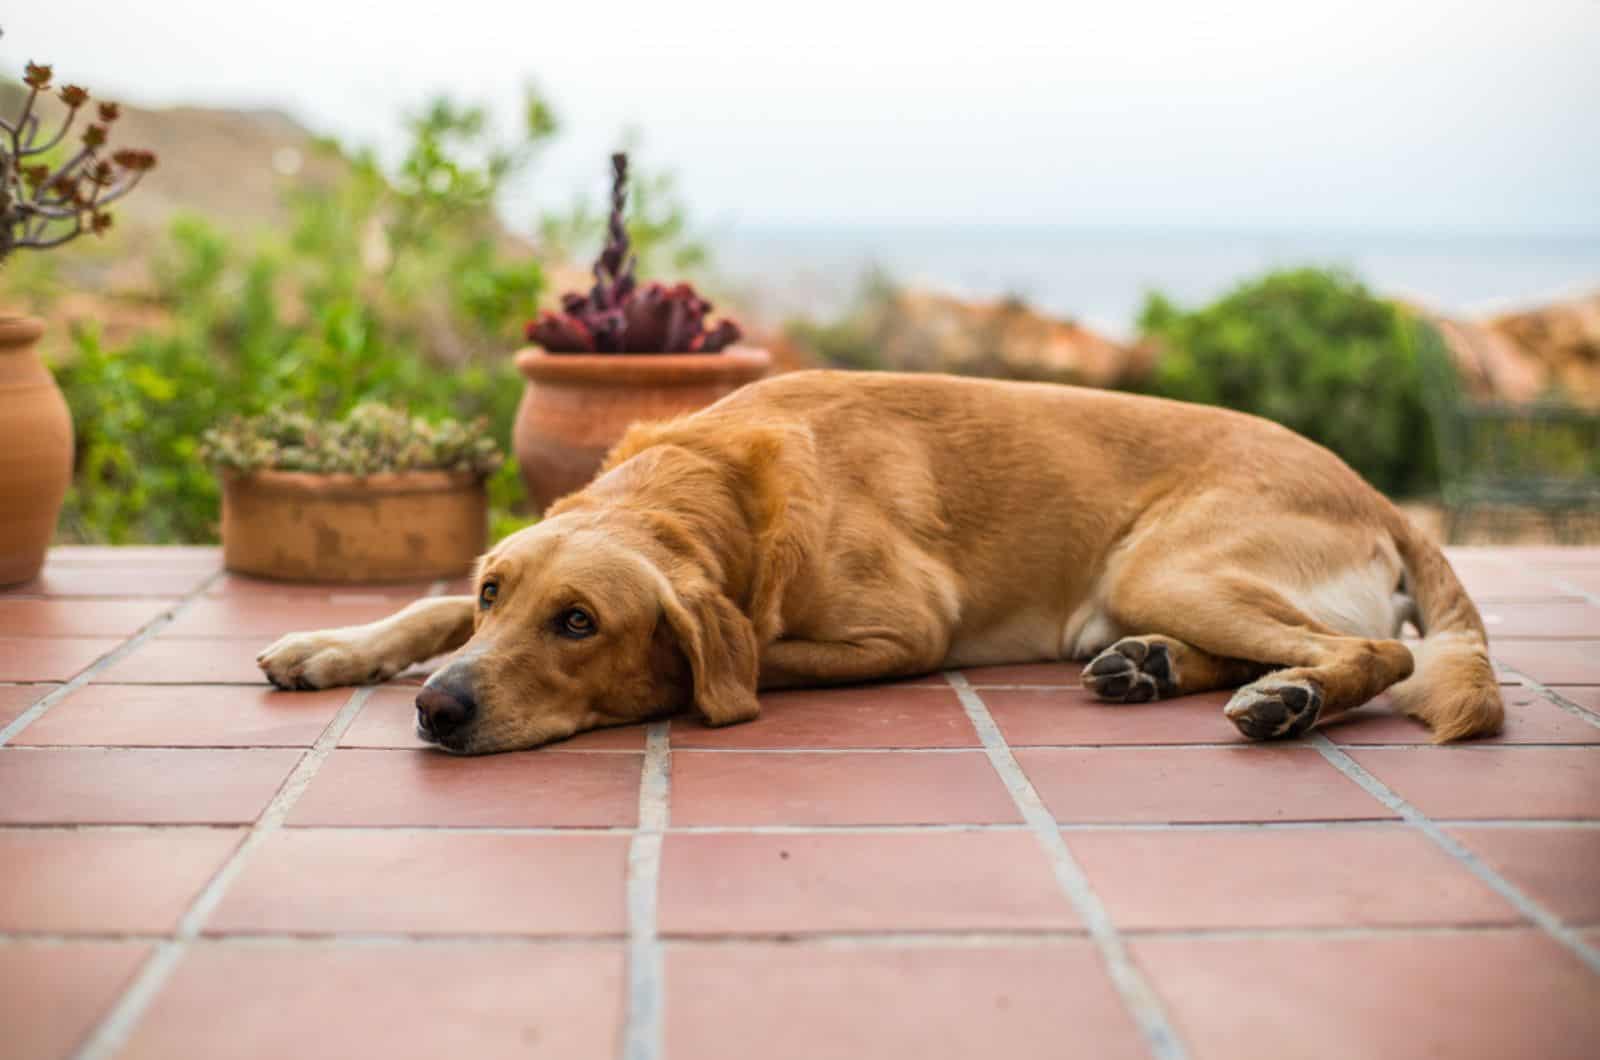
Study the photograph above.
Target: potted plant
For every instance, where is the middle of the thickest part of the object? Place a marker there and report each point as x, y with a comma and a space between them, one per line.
377, 496
621, 353
43, 206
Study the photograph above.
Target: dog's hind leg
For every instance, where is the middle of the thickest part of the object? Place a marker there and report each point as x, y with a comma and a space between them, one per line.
1314, 671
1139, 669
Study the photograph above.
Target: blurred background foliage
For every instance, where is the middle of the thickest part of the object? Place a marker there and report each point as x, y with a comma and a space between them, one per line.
1314, 350
394, 284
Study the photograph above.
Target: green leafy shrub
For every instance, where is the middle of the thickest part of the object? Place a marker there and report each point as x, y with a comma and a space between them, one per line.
372, 439
1314, 350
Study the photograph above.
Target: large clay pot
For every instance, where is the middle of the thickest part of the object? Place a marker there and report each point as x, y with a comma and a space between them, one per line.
408, 526
36, 454
577, 406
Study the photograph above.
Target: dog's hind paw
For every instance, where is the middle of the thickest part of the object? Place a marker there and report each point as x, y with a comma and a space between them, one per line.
1275, 708
1133, 670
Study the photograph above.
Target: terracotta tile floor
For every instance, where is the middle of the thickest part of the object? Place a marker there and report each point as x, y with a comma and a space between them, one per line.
977, 864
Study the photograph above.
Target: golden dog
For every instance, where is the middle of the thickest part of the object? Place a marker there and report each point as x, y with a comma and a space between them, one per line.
824, 527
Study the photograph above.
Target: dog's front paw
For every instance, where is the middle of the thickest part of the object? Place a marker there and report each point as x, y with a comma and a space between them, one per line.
1274, 708
1133, 670
319, 660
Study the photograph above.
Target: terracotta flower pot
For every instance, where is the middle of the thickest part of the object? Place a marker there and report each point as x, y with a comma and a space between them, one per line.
36, 456
577, 406
343, 528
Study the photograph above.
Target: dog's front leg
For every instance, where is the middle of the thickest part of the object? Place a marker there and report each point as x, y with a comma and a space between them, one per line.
790, 663
377, 651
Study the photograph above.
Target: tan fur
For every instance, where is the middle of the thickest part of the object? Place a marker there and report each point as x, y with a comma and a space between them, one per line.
827, 527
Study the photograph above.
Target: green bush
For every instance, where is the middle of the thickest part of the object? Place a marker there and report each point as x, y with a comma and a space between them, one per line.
1314, 350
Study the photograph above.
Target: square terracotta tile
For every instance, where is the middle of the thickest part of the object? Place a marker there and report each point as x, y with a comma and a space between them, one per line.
485, 1002
98, 881
16, 699
44, 617
50, 658
98, 580
266, 617
1052, 674
1466, 782
313, 882
186, 716
1484, 994
1489, 581
1530, 718
1035, 717
1278, 878
832, 788
389, 720
728, 883
1585, 579
1544, 618
528, 788
881, 716
1195, 784
1587, 698
56, 993
1553, 662
1551, 555
174, 661
143, 557
1557, 867
94, 786
235, 585
798, 1003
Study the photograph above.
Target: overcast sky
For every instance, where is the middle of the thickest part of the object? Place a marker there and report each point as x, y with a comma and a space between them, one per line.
1459, 115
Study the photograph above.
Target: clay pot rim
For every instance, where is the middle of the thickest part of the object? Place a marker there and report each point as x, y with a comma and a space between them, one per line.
342, 484
18, 331
743, 363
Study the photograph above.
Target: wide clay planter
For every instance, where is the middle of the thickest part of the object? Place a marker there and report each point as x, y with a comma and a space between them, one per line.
577, 405
36, 454
409, 526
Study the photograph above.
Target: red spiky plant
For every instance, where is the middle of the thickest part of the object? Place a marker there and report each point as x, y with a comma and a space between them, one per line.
44, 206
618, 315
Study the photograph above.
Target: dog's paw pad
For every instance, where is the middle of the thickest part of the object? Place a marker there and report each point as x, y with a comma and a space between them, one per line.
1132, 671
1273, 710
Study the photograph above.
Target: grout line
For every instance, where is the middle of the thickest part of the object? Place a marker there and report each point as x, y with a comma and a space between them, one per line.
1138, 997
1191, 827
145, 633
1044, 937
975, 938
1575, 590
642, 1028
1555, 698
1481, 746
113, 1031
1525, 905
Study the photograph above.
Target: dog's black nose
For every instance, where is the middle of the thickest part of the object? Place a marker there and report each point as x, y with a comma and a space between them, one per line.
444, 710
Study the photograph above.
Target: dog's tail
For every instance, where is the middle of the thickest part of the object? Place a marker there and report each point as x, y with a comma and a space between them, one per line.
1453, 688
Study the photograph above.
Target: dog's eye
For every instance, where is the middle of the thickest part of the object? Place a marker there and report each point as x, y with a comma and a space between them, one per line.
576, 623
487, 594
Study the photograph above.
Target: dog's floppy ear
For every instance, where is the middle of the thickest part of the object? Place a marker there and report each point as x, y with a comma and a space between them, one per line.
721, 647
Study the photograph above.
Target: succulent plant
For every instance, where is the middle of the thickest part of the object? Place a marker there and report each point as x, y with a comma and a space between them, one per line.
44, 206
618, 315
372, 439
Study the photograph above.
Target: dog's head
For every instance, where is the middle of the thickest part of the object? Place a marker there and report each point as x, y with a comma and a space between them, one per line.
579, 627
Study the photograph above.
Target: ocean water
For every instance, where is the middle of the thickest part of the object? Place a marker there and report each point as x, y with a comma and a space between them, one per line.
1101, 277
